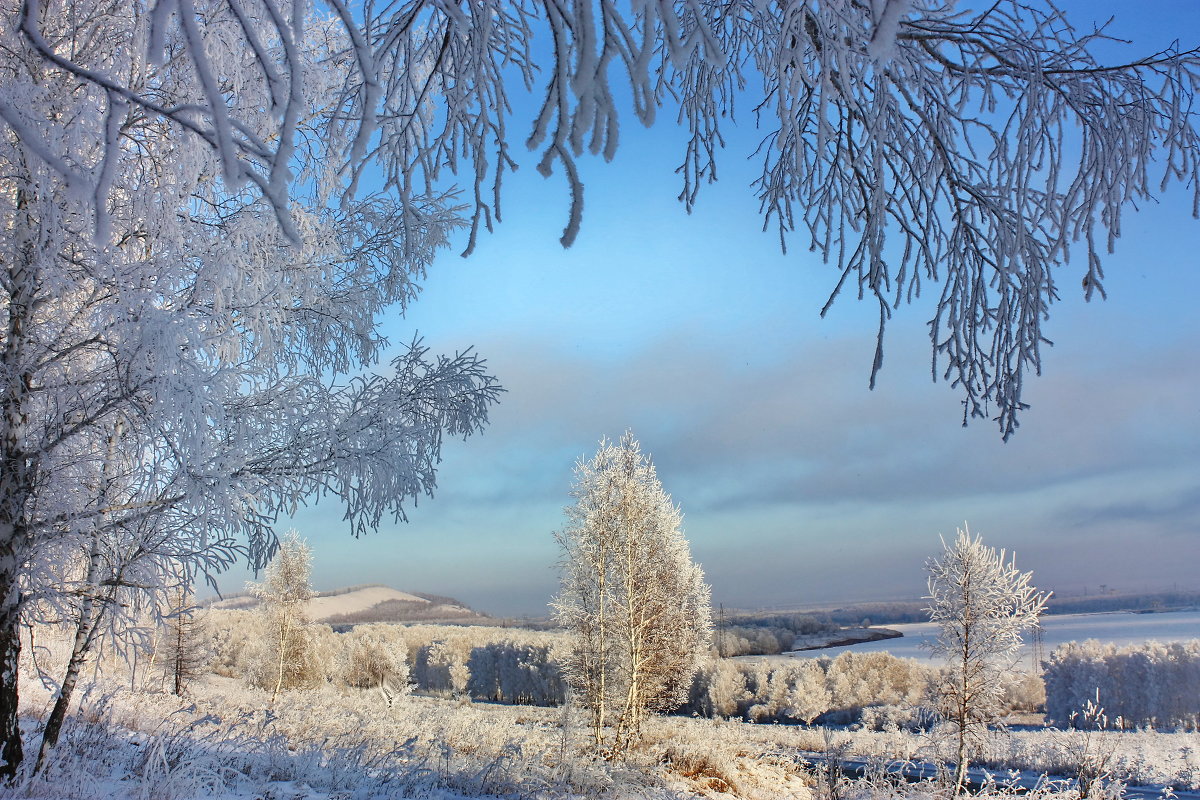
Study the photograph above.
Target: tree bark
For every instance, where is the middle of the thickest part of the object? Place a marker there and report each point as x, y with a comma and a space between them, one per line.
10, 656
85, 629
17, 471
66, 691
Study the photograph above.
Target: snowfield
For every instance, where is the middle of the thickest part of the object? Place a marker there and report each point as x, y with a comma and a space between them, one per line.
225, 742
357, 601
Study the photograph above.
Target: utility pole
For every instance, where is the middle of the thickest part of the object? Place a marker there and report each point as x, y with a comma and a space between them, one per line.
721, 631
1039, 649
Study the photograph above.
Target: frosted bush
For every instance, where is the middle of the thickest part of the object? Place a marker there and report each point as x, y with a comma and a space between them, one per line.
506, 672
233, 635
898, 718
804, 690
857, 680
1023, 691
375, 656
718, 689
1149, 684
311, 662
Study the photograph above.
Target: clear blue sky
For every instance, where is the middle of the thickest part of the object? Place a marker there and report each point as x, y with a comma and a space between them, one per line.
798, 485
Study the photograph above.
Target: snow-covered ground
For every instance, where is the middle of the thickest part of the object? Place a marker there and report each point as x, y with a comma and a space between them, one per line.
226, 742
359, 600
353, 602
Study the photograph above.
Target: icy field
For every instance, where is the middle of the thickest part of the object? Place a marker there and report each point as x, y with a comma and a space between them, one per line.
1121, 628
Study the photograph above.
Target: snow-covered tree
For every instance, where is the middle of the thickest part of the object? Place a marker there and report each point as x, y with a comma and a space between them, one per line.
184, 653
630, 594
981, 603
173, 362
285, 593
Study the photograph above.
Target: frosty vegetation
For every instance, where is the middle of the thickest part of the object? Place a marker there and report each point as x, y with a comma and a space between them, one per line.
193, 264
334, 737
385, 710
1152, 685
175, 364
630, 595
284, 593
913, 144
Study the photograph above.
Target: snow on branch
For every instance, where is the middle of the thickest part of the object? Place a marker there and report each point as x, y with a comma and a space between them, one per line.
976, 155
915, 145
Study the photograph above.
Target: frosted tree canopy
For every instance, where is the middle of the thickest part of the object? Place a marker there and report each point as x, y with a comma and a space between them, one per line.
915, 144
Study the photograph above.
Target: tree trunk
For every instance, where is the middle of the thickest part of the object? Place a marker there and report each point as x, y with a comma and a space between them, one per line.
601, 659
63, 701
965, 688
181, 645
84, 630
10, 655
283, 642
960, 768
18, 468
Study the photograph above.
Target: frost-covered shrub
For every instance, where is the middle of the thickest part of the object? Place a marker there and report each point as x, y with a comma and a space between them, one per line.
786, 692
445, 659
858, 680
1023, 691
441, 666
310, 660
753, 641
234, 635
1149, 684
806, 696
718, 689
898, 718
803, 690
374, 656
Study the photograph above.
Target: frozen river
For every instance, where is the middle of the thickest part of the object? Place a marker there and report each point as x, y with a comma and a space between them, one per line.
1122, 628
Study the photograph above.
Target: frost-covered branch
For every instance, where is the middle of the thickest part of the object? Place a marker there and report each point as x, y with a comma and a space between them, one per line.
911, 143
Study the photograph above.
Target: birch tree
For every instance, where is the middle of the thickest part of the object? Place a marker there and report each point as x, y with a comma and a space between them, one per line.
636, 604
173, 361
981, 603
284, 595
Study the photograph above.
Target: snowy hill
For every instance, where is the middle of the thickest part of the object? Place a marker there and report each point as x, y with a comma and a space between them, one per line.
371, 603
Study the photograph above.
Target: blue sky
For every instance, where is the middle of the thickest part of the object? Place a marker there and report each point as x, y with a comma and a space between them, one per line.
798, 485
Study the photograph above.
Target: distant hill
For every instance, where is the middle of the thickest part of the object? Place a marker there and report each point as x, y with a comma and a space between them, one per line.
371, 603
